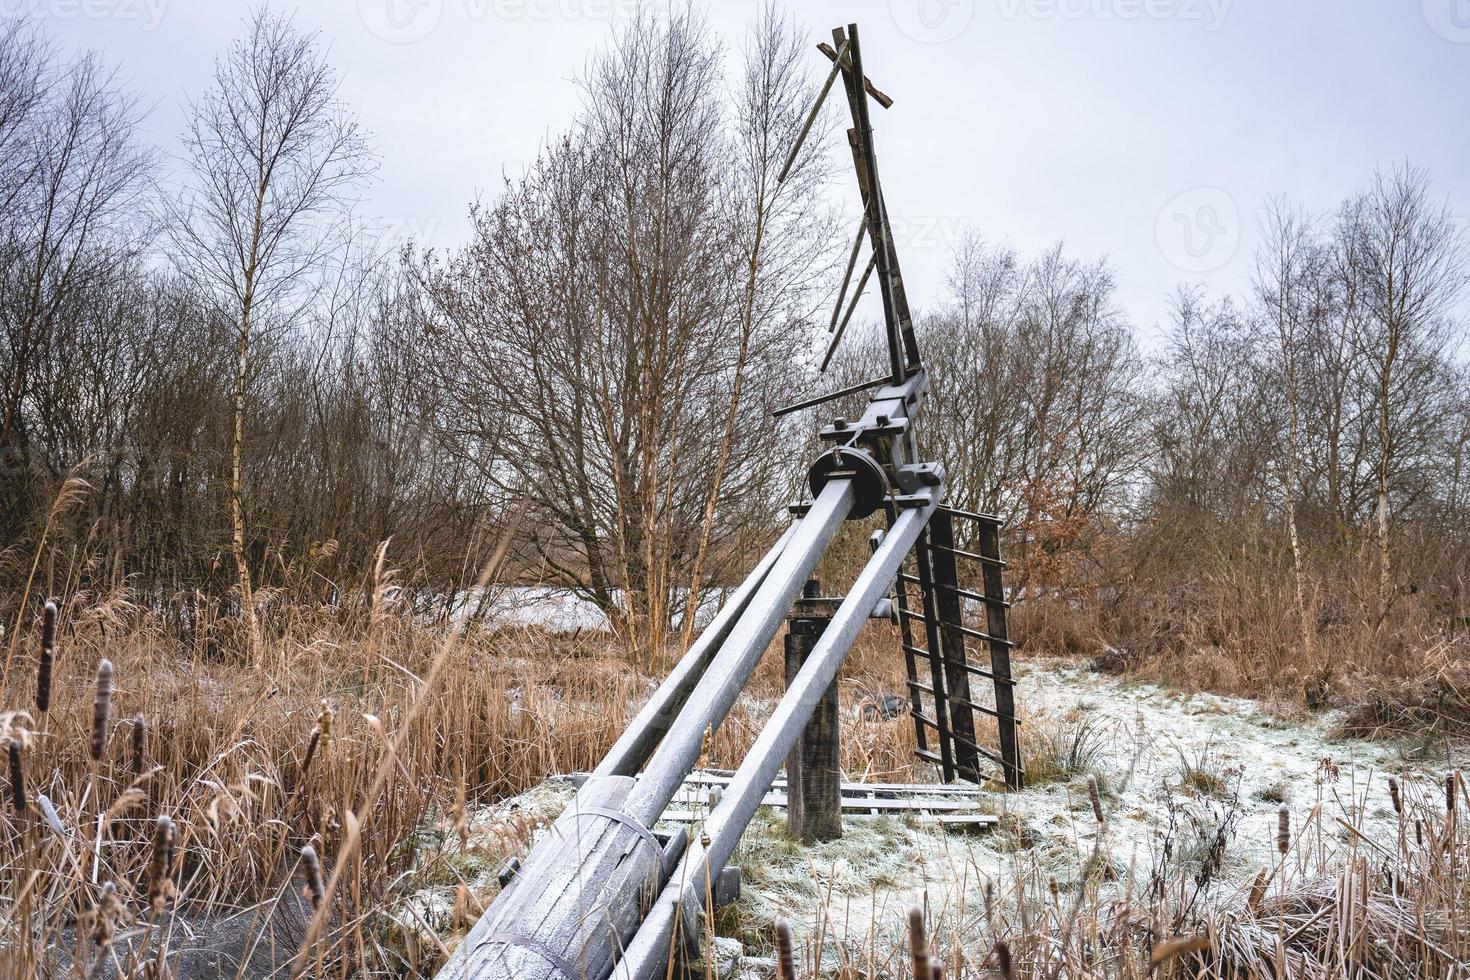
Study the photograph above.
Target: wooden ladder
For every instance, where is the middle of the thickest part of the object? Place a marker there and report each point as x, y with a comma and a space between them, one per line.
942, 700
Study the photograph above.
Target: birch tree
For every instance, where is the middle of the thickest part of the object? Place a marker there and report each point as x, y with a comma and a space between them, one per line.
1408, 262
273, 162
1287, 265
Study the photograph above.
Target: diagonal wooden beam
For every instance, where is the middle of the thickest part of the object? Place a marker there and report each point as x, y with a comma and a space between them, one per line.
882, 99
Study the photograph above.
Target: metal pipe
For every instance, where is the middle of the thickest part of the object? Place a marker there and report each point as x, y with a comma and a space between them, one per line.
633, 747
712, 699
646, 956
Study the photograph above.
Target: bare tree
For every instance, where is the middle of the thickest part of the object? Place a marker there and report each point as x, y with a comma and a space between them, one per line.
780, 231
71, 176
273, 162
1288, 265
615, 334
1036, 407
1407, 261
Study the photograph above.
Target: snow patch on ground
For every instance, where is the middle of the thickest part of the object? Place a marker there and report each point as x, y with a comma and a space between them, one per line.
1157, 752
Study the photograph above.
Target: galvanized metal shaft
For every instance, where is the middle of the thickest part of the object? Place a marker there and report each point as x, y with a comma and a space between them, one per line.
711, 701
643, 733
677, 906
579, 895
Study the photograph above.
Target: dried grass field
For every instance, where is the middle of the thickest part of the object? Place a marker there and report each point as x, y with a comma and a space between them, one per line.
339, 806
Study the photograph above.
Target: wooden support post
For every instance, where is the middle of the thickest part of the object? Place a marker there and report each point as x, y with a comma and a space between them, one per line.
952, 647
814, 767
1000, 652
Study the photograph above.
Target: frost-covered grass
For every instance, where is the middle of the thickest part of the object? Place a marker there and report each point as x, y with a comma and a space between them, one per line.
1192, 788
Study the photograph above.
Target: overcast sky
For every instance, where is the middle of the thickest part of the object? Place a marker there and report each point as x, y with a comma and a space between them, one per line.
1149, 131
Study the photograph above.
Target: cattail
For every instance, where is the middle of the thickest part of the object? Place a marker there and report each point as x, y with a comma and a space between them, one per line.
17, 778
1450, 782
311, 744
140, 744
918, 942
324, 721
460, 815
160, 865
461, 906
1283, 828
48, 625
101, 709
704, 748
1394, 797
785, 960
48, 658
937, 971
311, 869
105, 917
1258, 889
1003, 960
1095, 797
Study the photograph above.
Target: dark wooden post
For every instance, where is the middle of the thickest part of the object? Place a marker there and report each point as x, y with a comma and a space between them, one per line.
814, 768
952, 646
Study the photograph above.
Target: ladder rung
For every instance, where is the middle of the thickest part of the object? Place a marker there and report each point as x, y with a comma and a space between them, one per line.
966, 593
980, 672
935, 758
966, 665
971, 555
992, 756
966, 630
967, 703
971, 515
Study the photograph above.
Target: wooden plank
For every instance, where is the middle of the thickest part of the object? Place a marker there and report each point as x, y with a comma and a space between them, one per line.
968, 631
851, 803
994, 757
1000, 657
967, 666
947, 819
937, 681
957, 702
935, 789
882, 98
